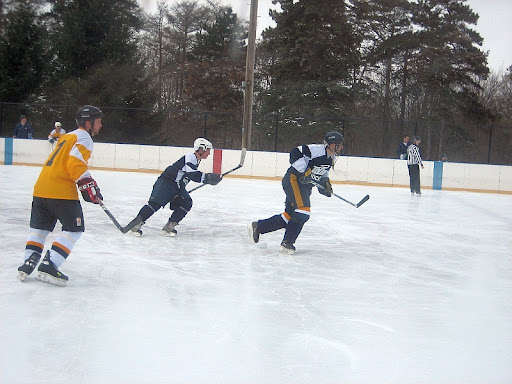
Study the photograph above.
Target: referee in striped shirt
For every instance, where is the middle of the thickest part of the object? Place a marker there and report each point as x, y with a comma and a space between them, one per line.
413, 163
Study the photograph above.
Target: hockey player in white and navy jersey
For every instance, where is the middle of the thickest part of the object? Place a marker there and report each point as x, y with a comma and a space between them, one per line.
170, 188
310, 165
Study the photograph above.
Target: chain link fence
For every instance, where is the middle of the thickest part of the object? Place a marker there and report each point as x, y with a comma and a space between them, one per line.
484, 144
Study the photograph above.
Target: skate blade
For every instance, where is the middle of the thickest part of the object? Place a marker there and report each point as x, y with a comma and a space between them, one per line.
137, 233
250, 232
22, 275
168, 234
286, 251
50, 279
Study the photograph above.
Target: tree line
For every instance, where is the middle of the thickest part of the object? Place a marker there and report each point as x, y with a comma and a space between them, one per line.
373, 69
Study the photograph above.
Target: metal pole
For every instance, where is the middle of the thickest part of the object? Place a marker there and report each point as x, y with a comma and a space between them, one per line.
1, 119
489, 148
249, 77
275, 136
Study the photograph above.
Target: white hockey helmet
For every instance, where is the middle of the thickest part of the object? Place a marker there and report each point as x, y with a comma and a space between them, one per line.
58, 124
203, 144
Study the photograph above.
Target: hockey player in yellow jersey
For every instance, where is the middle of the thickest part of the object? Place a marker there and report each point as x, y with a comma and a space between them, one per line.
56, 133
56, 197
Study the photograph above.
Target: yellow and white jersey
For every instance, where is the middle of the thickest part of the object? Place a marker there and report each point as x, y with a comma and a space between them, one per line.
66, 165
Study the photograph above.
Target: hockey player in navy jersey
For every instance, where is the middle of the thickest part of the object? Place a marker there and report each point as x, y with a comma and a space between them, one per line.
310, 165
170, 188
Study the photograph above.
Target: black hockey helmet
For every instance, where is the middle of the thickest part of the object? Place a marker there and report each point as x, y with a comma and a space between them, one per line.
88, 113
333, 137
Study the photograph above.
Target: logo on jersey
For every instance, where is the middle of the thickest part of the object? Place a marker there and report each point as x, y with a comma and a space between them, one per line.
78, 221
318, 171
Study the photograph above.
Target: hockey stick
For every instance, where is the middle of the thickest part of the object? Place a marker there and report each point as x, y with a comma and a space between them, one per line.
116, 223
363, 200
242, 159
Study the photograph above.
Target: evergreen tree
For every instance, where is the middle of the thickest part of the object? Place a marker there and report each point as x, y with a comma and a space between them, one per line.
22, 53
186, 19
449, 62
95, 61
384, 29
87, 32
217, 63
312, 52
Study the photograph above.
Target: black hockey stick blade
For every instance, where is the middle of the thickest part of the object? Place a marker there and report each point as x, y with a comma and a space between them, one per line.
240, 165
131, 224
363, 200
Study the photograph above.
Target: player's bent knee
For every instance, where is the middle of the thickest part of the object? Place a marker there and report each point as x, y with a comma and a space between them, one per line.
300, 217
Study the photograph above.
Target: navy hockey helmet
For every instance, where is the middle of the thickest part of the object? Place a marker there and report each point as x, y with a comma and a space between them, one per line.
88, 113
333, 137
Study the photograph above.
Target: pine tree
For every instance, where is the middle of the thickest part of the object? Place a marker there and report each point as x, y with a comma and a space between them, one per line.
449, 61
217, 63
312, 50
87, 32
22, 52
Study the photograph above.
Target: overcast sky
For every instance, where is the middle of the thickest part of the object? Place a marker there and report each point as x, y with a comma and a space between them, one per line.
494, 24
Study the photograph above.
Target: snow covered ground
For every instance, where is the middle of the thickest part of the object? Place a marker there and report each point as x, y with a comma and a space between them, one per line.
403, 289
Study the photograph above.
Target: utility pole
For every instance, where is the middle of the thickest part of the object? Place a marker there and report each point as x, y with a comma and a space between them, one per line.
248, 84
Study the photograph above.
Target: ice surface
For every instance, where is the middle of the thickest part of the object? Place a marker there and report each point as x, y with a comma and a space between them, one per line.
403, 289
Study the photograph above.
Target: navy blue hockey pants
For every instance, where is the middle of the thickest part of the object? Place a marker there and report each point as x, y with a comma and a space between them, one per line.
297, 209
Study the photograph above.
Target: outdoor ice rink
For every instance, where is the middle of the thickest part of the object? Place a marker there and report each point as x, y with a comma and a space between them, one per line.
402, 290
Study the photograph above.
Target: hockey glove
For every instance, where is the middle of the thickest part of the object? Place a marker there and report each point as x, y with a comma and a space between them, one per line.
306, 177
51, 140
325, 187
90, 190
212, 178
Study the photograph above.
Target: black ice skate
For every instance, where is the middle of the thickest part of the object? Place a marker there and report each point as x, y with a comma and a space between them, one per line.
135, 226
287, 248
49, 273
28, 266
254, 232
136, 230
168, 229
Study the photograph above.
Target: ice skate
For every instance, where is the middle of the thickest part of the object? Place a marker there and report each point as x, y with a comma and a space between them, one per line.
28, 266
168, 229
135, 226
136, 230
287, 248
49, 273
254, 232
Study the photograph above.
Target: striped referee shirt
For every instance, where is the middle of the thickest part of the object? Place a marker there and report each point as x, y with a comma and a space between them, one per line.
413, 155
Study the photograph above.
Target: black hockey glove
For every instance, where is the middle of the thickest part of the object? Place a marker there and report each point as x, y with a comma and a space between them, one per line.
212, 178
325, 187
51, 140
306, 177
90, 190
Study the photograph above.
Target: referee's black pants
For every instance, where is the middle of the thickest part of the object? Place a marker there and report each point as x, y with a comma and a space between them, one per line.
414, 175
